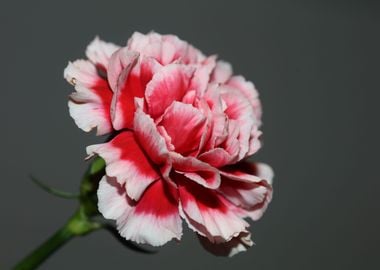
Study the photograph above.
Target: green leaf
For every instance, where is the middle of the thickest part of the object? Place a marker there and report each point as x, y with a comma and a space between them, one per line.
53, 191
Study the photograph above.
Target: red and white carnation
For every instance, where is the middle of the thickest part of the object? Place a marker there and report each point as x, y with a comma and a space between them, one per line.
183, 127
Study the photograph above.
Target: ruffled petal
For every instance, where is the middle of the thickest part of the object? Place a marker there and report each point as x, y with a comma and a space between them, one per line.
202, 74
185, 125
243, 171
196, 170
144, 221
155, 218
99, 52
120, 64
232, 144
152, 45
208, 213
249, 91
131, 84
126, 161
112, 199
236, 245
184, 52
219, 121
88, 112
243, 188
239, 109
149, 138
81, 72
217, 157
168, 85
254, 141
164, 48
222, 72
90, 104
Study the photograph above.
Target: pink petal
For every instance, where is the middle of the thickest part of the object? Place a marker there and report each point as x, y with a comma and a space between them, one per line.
99, 52
152, 45
89, 115
189, 97
154, 219
243, 171
245, 195
205, 109
167, 138
253, 196
164, 48
126, 161
81, 72
196, 170
236, 245
257, 212
217, 157
254, 141
249, 172
249, 91
185, 52
232, 143
119, 67
240, 110
132, 84
222, 72
193, 55
185, 125
209, 214
201, 77
90, 104
149, 138
219, 123
112, 199
167, 85
137, 41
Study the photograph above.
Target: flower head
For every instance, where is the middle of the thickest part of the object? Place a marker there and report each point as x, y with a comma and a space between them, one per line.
183, 127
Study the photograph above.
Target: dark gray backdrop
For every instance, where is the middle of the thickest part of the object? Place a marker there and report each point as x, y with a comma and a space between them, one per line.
316, 64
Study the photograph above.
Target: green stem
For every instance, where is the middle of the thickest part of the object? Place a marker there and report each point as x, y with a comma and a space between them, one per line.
76, 226
79, 224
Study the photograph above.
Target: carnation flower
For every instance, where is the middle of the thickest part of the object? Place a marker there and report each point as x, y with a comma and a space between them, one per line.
182, 128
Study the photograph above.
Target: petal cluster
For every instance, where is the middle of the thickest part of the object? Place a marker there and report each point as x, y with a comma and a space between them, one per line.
182, 128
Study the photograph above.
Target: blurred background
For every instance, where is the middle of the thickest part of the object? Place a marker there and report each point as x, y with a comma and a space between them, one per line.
316, 65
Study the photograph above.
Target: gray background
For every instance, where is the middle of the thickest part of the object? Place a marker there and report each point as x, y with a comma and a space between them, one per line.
316, 64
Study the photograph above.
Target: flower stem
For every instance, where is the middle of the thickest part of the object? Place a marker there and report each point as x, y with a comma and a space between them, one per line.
77, 225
